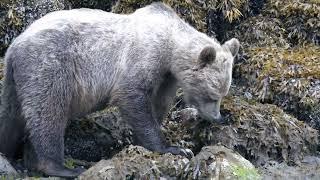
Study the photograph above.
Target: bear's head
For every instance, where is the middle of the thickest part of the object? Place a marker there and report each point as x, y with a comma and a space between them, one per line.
209, 81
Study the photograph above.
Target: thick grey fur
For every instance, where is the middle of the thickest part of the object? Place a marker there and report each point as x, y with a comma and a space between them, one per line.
70, 63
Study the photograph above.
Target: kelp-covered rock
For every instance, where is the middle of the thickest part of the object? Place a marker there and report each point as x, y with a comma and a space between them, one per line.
281, 23
288, 77
301, 19
309, 168
16, 15
260, 31
260, 132
97, 135
211, 17
135, 162
105, 5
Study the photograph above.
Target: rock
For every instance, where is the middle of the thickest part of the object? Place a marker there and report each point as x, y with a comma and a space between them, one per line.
138, 163
308, 169
42, 178
269, 31
219, 162
259, 132
93, 4
97, 135
287, 77
6, 169
135, 162
299, 18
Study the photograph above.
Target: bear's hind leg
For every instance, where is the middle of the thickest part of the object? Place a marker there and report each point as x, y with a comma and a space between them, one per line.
45, 104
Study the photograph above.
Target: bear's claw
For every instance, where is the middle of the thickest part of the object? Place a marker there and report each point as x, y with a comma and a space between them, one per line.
180, 151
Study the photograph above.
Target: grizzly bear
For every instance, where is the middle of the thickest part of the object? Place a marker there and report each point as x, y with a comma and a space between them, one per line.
72, 62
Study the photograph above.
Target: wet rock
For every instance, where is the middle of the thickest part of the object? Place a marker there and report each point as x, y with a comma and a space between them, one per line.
97, 135
6, 169
105, 5
138, 163
259, 132
309, 168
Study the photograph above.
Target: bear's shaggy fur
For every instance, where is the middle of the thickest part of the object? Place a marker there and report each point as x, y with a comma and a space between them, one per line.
70, 63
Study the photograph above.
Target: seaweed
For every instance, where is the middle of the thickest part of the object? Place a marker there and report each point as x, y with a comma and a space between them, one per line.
288, 77
259, 132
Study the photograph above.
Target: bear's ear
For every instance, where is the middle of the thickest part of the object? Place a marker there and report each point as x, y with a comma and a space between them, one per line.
207, 56
233, 45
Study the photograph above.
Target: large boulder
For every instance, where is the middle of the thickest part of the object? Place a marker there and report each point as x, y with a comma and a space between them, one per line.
135, 162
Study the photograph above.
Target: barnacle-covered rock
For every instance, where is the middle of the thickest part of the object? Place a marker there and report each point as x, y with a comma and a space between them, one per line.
259, 132
288, 77
136, 162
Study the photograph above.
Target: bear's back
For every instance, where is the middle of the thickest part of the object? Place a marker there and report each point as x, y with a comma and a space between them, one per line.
156, 18
59, 20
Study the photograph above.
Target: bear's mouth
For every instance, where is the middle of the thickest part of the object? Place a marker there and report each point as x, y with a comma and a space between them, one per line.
191, 117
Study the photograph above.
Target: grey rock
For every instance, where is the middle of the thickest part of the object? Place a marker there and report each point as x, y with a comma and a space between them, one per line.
138, 163
5, 167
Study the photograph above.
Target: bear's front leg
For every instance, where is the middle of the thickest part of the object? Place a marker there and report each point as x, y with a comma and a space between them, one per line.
135, 107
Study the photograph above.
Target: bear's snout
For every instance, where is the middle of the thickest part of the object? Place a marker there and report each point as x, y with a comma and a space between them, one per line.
211, 113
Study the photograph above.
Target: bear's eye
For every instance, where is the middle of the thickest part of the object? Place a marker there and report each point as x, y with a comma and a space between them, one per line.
210, 99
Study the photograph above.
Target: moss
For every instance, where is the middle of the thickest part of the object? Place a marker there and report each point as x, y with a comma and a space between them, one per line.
69, 163
243, 173
7, 177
